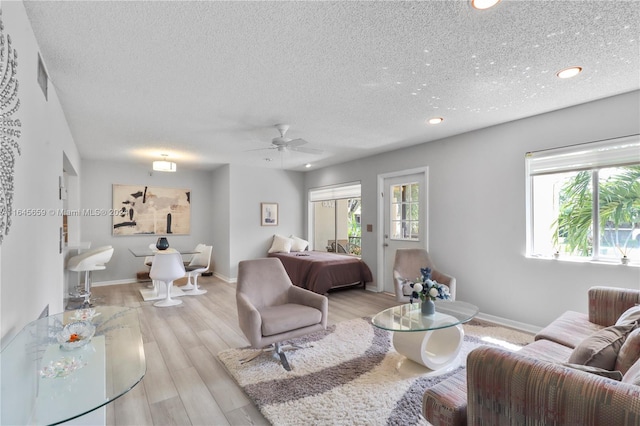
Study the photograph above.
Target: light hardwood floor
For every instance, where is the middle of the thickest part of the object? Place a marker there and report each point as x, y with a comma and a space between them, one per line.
185, 384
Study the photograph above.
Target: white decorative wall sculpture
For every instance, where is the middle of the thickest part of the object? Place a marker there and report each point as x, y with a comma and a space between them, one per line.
9, 127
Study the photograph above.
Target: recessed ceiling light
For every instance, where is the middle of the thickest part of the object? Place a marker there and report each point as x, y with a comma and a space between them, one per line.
569, 72
435, 120
307, 165
484, 4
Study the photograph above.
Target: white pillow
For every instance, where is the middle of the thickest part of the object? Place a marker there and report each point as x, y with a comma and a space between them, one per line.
280, 244
630, 315
298, 244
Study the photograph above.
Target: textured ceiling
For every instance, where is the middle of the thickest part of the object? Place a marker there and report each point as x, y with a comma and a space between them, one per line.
206, 82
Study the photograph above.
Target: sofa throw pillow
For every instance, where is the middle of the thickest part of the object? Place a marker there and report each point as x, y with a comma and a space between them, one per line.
629, 351
630, 315
280, 244
615, 375
298, 244
602, 347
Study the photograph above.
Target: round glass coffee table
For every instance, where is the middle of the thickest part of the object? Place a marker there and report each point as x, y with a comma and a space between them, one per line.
433, 341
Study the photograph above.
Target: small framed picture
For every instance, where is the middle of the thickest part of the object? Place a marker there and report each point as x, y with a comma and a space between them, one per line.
269, 216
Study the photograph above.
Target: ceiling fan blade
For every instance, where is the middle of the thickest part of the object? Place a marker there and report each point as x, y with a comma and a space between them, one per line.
305, 150
296, 142
261, 149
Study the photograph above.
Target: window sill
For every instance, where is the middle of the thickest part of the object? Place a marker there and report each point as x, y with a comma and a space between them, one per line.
632, 264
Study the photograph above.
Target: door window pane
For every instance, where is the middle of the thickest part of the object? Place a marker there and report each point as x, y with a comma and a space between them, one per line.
405, 211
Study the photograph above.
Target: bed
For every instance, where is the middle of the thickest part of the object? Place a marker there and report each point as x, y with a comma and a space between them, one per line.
321, 271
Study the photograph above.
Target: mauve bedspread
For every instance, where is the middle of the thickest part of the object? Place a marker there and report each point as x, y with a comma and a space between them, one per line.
320, 271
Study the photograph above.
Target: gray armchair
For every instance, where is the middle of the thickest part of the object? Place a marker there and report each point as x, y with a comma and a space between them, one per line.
271, 309
407, 266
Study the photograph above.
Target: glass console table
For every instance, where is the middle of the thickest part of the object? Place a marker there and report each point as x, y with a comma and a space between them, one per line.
433, 341
44, 384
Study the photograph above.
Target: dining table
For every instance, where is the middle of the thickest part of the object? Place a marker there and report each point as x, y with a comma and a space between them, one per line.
158, 290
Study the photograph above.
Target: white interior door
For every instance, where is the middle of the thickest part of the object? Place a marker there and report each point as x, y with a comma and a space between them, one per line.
404, 202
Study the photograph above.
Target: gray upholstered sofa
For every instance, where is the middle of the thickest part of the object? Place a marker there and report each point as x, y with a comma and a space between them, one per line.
534, 386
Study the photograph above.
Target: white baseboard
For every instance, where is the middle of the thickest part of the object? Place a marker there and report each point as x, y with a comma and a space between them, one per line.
528, 328
134, 280
225, 278
114, 282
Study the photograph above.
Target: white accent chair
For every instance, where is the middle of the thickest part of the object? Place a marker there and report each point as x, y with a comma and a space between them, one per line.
167, 267
199, 248
87, 262
407, 265
199, 264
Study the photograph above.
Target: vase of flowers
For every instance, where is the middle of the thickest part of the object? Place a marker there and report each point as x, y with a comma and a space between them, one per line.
428, 307
428, 290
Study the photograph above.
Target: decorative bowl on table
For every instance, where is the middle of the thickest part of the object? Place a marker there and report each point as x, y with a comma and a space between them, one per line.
76, 334
61, 368
85, 314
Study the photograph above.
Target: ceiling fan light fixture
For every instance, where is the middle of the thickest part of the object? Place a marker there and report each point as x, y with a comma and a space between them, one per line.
484, 4
435, 120
569, 72
164, 165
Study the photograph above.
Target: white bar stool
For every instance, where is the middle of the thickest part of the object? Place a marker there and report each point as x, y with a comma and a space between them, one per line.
87, 262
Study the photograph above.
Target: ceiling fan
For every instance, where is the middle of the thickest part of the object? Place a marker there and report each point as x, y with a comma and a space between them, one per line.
282, 143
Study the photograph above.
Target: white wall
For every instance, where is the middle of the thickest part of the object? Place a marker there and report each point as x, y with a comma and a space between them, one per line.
248, 188
220, 219
31, 267
477, 209
96, 192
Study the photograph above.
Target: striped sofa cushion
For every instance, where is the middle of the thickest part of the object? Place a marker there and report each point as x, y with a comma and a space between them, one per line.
510, 389
445, 404
569, 329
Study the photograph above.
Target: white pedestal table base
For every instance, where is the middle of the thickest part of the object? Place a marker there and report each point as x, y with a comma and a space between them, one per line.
435, 349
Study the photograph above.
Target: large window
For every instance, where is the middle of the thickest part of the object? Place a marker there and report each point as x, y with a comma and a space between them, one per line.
336, 219
584, 201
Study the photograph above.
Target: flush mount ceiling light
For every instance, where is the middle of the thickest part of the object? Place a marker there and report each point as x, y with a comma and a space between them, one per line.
164, 165
435, 120
484, 4
569, 72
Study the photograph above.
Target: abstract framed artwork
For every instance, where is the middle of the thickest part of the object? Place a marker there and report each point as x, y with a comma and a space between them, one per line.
151, 210
269, 214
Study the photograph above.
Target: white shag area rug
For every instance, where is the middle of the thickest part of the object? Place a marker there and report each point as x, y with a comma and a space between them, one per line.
349, 374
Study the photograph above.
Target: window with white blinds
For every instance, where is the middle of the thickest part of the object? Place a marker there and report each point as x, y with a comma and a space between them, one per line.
584, 201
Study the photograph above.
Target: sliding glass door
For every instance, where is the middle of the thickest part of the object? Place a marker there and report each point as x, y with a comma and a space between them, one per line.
336, 219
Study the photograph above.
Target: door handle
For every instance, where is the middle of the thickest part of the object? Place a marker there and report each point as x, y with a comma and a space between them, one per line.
385, 245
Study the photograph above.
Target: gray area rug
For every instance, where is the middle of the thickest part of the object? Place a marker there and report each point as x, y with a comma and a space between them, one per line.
349, 375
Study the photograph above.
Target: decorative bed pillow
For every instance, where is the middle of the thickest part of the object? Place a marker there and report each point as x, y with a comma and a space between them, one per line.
298, 244
602, 347
280, 244
615, 375
630, 315
629, 351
